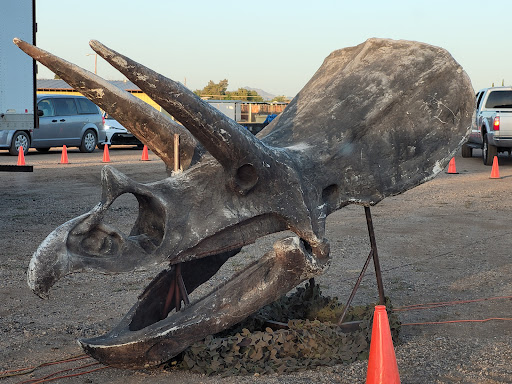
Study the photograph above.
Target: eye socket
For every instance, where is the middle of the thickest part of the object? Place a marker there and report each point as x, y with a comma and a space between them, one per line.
246, 177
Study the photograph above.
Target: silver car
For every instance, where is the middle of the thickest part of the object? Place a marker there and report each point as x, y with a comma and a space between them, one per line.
68, 120
74, 121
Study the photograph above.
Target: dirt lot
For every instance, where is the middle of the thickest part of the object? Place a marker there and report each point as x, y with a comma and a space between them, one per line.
446, 240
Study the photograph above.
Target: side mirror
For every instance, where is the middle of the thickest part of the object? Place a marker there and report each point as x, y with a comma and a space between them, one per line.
40, 113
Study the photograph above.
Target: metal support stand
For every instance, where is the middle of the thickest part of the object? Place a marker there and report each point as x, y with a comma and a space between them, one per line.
16, 168
373, 254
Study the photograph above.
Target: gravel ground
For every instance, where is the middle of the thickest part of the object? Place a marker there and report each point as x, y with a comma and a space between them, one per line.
446, 240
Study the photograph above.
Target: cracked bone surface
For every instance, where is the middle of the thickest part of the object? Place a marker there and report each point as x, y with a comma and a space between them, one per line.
375, 120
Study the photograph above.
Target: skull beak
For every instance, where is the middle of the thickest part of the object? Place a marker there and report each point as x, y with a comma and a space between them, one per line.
51, 261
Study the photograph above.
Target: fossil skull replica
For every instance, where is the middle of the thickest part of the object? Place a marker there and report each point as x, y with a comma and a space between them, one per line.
375, 120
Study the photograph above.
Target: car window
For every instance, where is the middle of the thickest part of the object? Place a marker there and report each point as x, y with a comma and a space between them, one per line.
499, 99
46, 106
86, 106
479, 99
65, 107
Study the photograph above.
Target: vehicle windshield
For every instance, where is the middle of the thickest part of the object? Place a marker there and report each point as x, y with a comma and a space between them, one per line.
499, 99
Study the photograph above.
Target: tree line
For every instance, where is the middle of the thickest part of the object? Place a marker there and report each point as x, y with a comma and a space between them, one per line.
219, 91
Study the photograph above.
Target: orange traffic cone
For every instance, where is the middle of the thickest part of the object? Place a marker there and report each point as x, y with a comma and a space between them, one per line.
495, 171
21, 156
106, 156
382, 366
64, 155
145, 156
451, 167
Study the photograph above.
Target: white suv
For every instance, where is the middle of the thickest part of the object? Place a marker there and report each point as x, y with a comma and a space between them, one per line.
116, 134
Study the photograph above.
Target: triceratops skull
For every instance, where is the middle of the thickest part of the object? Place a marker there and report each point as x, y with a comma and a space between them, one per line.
375, 120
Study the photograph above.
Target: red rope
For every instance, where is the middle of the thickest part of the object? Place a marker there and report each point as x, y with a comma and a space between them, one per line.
24, 371
41, 379
448, 303
460, 321
73, 375
21, 371
51, 378
445, 303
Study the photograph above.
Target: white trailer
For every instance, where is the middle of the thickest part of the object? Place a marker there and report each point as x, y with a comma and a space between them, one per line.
231, 108
17, 75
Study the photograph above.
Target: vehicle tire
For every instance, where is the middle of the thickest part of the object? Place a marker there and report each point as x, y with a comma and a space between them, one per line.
19, 139
488, 152
43, 150
89, 141
466, 151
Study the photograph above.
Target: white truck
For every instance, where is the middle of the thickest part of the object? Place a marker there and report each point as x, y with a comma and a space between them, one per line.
17, 75
491, 129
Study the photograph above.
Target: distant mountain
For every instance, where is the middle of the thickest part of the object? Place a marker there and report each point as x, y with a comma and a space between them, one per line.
266, 96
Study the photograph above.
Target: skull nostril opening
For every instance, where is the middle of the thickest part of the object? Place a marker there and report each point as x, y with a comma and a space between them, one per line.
104, 238
129, 216
122, 213
246, 178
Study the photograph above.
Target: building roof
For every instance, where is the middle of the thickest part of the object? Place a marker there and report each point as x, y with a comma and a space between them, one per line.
61, 85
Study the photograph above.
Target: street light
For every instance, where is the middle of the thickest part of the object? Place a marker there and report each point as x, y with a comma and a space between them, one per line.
95, 61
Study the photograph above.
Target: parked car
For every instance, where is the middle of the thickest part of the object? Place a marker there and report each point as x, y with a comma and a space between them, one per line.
116, 134
74, 121
491, 129
69, 120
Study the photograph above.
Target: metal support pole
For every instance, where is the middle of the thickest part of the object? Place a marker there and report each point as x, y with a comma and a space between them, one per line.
356, 286
376, 263
176, 152
373, 254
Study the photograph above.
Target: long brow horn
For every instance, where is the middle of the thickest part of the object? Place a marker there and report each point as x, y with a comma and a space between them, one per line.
144, 121
225, 139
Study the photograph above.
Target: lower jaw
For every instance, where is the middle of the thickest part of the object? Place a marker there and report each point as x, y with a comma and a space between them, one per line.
261, 283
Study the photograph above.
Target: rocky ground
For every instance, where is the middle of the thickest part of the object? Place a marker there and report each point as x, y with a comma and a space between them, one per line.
447, 240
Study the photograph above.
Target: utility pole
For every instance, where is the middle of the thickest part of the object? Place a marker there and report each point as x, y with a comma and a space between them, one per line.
95, 62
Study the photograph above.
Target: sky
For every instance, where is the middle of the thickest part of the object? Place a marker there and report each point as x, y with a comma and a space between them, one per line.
276, 46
